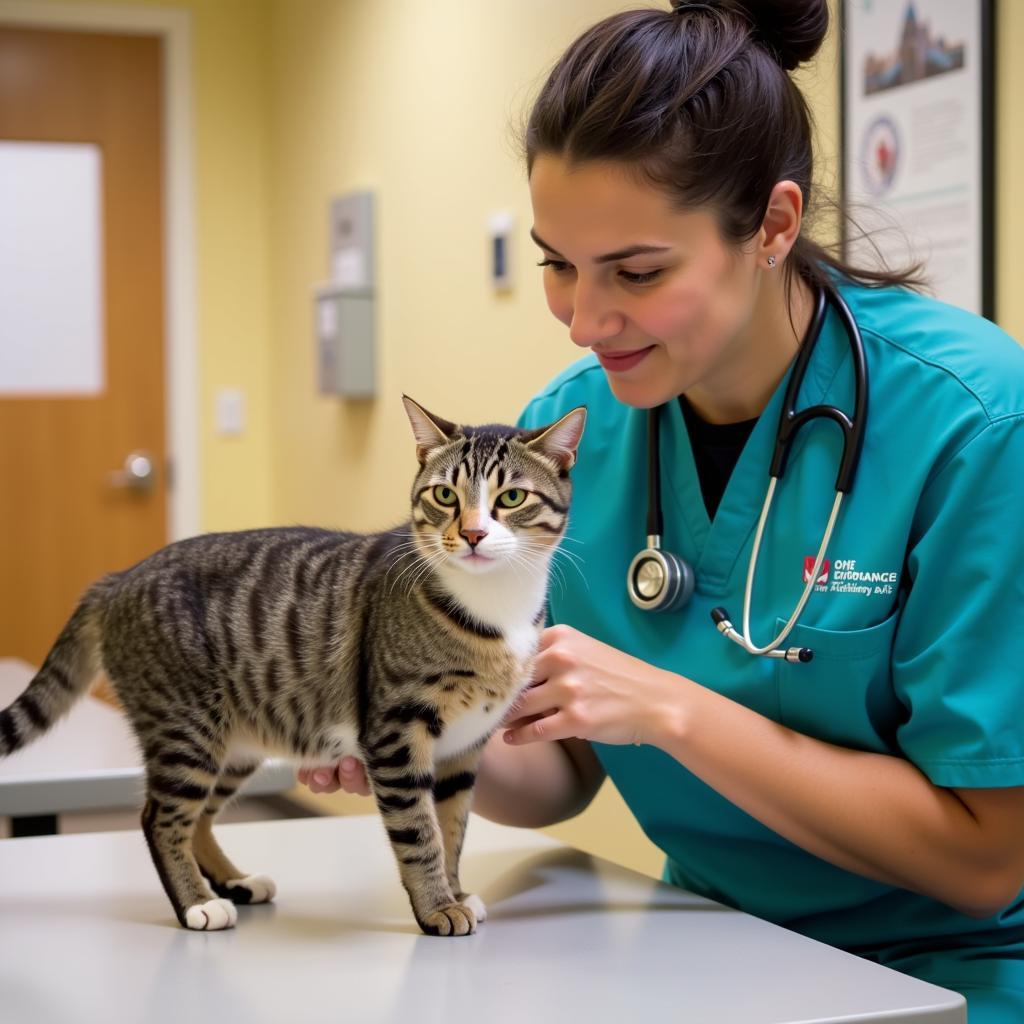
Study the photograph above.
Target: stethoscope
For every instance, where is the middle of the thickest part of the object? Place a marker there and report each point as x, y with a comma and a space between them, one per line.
660, 581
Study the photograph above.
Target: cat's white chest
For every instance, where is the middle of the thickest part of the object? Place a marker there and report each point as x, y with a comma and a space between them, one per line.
522, 642
470, 727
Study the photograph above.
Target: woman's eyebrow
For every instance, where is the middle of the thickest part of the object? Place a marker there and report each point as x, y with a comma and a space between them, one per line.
608, 257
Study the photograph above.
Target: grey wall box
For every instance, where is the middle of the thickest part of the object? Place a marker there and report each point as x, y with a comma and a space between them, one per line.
345, 307
345, 330
352, 231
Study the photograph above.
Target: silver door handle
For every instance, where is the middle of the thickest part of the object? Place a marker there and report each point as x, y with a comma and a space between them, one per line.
138, 474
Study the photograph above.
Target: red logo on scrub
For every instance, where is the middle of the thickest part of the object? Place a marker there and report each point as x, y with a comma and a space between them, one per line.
809, 568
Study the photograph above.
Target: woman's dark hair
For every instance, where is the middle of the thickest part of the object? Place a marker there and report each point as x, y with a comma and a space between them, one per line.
698, 101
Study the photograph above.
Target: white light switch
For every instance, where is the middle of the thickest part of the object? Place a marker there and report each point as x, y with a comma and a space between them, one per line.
230, 412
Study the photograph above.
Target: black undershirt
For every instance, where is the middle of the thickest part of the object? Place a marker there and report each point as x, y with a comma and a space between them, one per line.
716, 449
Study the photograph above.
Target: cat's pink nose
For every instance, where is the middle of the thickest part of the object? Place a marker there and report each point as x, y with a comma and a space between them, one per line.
473, 536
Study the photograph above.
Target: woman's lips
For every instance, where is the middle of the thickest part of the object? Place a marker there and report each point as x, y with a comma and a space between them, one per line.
623, 360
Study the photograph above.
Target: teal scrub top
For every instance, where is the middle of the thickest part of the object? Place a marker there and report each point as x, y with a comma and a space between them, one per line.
915, 632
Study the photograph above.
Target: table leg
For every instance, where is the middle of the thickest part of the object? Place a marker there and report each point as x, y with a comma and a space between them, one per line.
34, 825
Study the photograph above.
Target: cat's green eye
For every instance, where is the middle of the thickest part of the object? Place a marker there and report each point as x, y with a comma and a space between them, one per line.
445, 496
512, 498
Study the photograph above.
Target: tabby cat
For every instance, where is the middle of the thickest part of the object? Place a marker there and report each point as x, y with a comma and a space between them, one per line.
404, 648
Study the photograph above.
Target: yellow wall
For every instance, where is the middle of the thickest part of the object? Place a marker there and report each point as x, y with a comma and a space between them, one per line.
235, 289
1009, 140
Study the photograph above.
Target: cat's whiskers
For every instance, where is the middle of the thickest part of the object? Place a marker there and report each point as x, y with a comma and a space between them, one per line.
523, 558
415, 571
416, 559
419, 558
406, 547
575, 559
534, 557
516, 559
426, 565
514, 562
571, 558
558, 576
402, 559
574, 565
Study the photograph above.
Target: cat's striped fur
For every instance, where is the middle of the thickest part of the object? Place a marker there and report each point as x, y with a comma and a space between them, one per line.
395, 647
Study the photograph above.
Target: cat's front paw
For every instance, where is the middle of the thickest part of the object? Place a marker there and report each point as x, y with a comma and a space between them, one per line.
475, 904
450, 919
211, 916
251, 889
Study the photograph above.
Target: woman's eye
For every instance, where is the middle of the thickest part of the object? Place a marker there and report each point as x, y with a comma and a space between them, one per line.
638, 277
630, 276
445, 496
512, 498
558, 266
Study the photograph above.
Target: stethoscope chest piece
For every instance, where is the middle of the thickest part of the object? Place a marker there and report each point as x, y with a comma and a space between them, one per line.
659, 581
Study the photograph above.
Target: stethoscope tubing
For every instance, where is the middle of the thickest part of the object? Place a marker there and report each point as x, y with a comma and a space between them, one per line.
670, 578
772, 649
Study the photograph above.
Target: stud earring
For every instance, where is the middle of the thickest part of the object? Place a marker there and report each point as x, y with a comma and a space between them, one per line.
771, 262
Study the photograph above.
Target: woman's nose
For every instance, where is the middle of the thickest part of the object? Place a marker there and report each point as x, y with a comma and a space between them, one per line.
593, 320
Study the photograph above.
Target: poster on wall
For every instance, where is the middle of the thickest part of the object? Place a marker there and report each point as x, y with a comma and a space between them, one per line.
917, 140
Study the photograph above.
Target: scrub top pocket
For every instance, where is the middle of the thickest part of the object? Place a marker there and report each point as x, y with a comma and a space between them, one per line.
845, 694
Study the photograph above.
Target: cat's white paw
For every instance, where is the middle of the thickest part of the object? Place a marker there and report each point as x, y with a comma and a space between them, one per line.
478, 907
260, 888
211, 916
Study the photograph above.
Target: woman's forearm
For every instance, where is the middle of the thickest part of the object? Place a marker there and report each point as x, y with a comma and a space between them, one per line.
872, 814
535, 785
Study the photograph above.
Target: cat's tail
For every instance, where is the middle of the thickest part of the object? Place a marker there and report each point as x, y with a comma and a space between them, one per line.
68, 670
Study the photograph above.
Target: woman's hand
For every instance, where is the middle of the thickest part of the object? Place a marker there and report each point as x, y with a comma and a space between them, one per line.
584, 688
347, 774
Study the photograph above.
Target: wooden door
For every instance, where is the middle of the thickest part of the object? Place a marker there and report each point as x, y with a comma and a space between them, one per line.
66, 518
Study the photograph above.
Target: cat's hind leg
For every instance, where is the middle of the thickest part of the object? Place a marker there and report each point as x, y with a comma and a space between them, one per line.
225, 879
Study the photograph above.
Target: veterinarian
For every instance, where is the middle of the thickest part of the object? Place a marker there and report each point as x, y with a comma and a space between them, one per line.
813, 704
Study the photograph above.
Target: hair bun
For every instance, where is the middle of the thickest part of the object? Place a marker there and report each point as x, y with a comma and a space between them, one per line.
792, 29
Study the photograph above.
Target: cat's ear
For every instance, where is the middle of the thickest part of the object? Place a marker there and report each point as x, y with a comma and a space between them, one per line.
429, 430
559, 441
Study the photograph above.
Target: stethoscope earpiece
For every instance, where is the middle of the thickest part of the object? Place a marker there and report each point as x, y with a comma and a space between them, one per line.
659, 581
